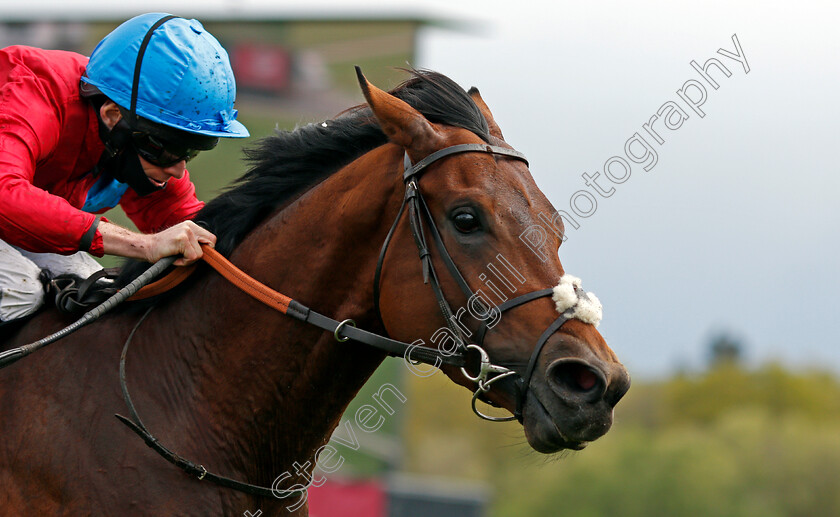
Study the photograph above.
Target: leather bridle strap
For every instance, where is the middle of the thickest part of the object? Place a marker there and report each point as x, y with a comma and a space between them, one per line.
461, 148
378, 274
418, 210
415, 200
192, 469
510, 304
396, 348
418, 204
524, 381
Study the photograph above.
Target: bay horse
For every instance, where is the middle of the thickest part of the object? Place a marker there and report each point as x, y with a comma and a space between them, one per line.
222, 379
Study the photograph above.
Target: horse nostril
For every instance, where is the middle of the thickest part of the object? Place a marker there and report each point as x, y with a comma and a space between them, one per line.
573, 378
618, 386
584, 378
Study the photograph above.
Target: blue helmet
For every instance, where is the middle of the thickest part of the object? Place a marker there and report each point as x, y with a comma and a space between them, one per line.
168, 70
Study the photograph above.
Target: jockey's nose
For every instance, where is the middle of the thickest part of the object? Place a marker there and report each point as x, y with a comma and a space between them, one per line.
176, 171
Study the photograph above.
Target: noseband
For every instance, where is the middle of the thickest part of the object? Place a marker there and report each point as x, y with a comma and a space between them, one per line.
418, 211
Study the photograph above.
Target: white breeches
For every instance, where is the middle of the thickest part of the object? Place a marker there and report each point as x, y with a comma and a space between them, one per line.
21, 291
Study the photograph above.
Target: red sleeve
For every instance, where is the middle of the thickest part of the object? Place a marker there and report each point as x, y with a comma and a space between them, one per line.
160, 210
30, 124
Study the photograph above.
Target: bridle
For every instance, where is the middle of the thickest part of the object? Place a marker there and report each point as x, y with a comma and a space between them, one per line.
346, 330
418, 211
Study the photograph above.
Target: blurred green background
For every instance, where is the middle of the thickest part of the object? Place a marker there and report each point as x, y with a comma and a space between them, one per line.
728, 441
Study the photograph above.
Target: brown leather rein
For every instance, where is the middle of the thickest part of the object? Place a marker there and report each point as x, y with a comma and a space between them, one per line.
224, 267
342, 330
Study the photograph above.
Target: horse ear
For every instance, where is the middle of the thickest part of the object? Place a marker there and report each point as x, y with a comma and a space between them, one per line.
402, 124
491, 123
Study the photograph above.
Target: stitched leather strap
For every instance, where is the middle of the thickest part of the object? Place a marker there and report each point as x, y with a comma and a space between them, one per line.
237, 277
461, 148
175, 277
192, 469
412, 352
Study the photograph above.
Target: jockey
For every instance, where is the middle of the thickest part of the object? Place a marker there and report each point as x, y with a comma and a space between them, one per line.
79, 136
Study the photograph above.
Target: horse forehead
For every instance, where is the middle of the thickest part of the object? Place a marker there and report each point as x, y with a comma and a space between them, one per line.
503, 184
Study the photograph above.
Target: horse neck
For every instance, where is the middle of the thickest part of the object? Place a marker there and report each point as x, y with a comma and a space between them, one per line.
271, 388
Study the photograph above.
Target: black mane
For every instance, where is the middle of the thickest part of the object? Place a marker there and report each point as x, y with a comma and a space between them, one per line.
290, 162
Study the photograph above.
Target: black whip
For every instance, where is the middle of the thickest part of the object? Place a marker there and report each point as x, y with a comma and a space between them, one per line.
10, 356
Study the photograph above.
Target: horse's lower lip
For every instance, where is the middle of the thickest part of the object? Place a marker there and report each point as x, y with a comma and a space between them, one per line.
575, 446
567, 443
559, 441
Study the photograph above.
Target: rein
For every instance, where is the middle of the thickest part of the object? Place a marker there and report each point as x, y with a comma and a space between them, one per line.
342, 330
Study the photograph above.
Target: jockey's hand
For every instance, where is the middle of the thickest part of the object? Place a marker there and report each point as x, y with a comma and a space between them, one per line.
184, 239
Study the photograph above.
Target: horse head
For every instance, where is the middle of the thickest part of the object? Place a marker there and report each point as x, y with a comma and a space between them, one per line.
491, 295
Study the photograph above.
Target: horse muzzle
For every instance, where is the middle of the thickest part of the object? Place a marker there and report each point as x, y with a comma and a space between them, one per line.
571, 403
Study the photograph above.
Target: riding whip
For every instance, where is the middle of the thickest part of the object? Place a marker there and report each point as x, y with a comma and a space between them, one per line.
10, 356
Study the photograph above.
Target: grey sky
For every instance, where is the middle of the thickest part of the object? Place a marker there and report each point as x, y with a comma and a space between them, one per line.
735, 228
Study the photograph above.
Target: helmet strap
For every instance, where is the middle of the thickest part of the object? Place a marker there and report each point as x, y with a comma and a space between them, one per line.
135, 85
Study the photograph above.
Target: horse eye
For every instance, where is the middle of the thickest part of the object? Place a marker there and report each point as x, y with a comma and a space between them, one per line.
466, 221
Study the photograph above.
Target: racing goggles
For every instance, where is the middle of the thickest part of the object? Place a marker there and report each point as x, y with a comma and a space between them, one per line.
165, 146
164, 154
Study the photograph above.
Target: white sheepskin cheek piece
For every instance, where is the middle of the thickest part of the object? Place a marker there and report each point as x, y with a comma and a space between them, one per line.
564, 293
587, 307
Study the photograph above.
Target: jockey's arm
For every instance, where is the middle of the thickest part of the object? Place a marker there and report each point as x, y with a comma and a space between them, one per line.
182, 239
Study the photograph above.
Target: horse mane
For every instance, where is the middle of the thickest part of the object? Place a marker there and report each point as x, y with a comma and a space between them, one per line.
288, 163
